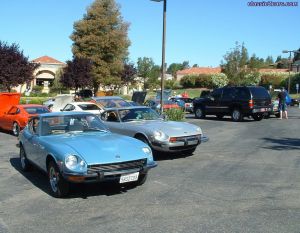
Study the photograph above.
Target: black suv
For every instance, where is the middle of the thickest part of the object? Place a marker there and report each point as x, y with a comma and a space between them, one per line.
236, 102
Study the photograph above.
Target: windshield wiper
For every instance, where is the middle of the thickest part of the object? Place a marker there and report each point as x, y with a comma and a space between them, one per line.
95, 129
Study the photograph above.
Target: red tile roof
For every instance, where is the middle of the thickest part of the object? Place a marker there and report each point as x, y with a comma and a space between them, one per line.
200, 70
46, 59
273, 70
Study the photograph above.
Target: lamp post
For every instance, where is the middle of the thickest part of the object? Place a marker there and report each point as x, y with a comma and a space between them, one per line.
163, 67
290, 65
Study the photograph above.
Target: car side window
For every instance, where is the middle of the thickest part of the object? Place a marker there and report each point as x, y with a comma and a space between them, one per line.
241, 93
216, 94
13, 111
69, 107
110, 116
33, 125
228, 94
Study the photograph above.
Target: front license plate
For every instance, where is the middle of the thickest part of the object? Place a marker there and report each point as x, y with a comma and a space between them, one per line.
129, 177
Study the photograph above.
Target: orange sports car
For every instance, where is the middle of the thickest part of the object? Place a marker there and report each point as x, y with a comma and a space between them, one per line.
14, 116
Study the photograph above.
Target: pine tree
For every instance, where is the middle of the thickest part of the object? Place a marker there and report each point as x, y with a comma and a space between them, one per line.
101, 36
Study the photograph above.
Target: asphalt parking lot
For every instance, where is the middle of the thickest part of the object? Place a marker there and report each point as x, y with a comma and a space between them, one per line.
246, 178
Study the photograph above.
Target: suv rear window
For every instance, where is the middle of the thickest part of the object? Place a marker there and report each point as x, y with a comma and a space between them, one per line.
259, 92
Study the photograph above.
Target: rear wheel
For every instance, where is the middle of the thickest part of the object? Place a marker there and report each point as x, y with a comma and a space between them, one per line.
59, 187
257, 117
199, 113
236, 115
16, 129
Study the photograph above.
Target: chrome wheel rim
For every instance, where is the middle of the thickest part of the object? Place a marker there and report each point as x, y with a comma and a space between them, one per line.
199, 112
53, 178
22, 158
236, 115
15, 129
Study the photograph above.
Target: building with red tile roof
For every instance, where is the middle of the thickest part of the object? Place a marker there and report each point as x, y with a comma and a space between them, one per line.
198, 70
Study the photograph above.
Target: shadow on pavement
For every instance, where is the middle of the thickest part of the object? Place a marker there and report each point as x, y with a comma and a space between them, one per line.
214, 118
283, 143
40, 180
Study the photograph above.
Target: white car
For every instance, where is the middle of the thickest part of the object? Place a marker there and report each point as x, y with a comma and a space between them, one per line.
83, 107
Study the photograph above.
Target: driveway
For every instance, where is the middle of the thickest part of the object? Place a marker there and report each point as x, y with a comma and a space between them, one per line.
246, 178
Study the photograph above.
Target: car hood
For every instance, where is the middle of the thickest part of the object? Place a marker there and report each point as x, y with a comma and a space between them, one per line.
7, 100
171, 128
101, 148
60, 102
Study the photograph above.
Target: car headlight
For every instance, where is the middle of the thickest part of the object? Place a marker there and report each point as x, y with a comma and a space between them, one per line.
160, 136
147, 150
75, 163
198, 129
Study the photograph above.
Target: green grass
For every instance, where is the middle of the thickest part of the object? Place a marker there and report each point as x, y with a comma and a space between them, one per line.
33, 100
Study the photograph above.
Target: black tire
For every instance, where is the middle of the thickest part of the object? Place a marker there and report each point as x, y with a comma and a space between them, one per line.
220, 116
142, 178
25, 164
257, 117
236, 115
199, 113
59, 187
15, 129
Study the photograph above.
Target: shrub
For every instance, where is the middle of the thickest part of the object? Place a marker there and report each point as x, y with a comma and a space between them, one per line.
219, 80
188, 81
252, 78
174, 114
203, 80
276, 79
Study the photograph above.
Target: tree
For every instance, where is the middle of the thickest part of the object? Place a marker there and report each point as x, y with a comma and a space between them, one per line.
15, 69
269, 61
128, 74
77, 73
153, 81
144, 67
297, 56
174, 67
102, 37
235, 64
256, 62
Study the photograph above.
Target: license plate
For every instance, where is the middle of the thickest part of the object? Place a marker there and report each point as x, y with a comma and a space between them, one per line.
129, 177
263, 109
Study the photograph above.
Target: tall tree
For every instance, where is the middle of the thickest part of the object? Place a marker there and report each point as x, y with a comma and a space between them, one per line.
144, 67
174, 67
128, 74
269, 60
235, 62
77, 74
15, 69
102, 37
153, 81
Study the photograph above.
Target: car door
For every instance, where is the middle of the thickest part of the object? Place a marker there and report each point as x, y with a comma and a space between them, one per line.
213, 102
112, 121
9, 118
226, 100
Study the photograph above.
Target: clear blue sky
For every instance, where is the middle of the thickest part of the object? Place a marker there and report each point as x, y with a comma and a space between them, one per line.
198, 31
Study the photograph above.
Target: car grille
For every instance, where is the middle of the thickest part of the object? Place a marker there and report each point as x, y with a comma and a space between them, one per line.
188, 138
113, 167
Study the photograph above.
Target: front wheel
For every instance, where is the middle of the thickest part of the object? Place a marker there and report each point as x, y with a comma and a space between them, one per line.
25, 165
257, 117
59, 187
199, 113
16, 129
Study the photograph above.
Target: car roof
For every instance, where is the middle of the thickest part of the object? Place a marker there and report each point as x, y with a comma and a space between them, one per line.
86, 102
107, 97
50, 114
129, 107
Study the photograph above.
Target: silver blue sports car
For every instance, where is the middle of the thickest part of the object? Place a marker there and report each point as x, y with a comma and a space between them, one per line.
77, 147
146, 125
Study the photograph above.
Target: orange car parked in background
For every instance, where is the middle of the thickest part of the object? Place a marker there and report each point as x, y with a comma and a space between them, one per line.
14, 116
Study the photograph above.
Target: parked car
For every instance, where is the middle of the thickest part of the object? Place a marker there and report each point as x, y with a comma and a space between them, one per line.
16, 118
83, 107
167, 104
111, 102
49, 103
146, 125
185, 103
236, 102
76, 147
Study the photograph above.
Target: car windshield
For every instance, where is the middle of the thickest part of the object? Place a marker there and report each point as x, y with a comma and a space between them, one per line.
138, 114
86, 107
71, 123
36, 110
113, 103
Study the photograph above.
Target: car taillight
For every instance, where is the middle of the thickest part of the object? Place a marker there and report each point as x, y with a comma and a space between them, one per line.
173, 140
251, 104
